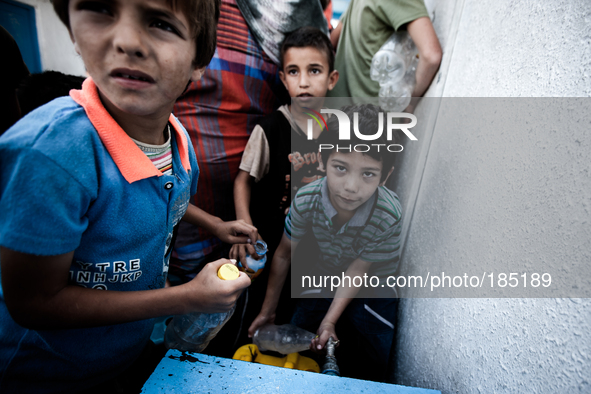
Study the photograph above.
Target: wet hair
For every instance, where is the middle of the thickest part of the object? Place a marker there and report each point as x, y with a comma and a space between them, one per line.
368, 121
203, 16
309, 36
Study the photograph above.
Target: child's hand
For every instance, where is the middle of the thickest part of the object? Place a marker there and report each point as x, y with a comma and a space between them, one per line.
239, 252
259, 321
325, 331
236, 232
210, 294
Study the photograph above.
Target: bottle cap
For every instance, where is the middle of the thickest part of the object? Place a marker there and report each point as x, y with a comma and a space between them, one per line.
228, 272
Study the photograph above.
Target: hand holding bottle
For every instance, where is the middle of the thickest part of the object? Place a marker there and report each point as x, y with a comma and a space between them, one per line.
193, 331
261, 319
253, 264
325, 331
239, 252
208, 293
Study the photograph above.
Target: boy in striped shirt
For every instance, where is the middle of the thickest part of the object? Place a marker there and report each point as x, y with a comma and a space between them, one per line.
357, 224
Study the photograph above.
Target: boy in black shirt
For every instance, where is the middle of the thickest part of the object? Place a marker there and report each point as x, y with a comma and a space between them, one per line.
264, 187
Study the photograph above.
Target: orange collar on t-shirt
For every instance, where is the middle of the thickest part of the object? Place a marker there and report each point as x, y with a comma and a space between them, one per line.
131, 161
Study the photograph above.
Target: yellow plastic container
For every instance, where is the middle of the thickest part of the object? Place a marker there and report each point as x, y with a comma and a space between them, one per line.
251, 353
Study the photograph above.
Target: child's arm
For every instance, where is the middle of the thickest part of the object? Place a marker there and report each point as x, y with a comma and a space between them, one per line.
422, 33
254, 164
38, 295
342, 298
335, 35
279, 269
242, 187
237, 231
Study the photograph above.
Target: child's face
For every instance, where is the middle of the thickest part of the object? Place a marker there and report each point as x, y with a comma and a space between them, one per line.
352, 178
139, 52
306, 75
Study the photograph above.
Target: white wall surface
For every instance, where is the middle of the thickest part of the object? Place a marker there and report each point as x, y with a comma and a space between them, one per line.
57, 50
522, 48
496, 345
542, 212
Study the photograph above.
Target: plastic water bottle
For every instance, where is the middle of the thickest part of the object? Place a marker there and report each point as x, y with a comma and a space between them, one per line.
284, 339
255, 267
394, 67
387, 66
397, 96
193, 332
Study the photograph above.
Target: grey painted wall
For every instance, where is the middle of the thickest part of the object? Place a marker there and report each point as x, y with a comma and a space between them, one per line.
500, 199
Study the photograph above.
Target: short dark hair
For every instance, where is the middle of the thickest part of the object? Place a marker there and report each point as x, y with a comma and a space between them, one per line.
308, 36
203, 16
368, 122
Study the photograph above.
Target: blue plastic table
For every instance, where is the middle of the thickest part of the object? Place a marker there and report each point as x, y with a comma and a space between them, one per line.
198, 373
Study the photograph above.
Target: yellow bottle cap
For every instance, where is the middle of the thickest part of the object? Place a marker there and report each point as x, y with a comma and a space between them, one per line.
228, 272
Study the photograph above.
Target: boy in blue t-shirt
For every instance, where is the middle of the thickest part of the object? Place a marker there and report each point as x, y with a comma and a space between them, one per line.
92, 188
357, 224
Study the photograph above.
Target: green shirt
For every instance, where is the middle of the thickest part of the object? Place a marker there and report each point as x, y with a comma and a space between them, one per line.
367, 24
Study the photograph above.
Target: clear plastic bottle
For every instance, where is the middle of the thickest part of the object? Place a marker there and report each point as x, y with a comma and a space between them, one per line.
394, 67
387, 66
193, 332
255, 267
284, 339
396, 97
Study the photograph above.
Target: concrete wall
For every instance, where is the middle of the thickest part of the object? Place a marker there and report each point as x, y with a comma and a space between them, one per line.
57, 50
474, 197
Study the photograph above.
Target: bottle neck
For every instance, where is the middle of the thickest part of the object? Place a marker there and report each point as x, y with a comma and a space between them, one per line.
260, 248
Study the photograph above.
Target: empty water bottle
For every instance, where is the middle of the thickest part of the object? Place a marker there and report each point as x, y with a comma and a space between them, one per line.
193, 332
393, 67
395, 97
255, 267
284, 339
387, 66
